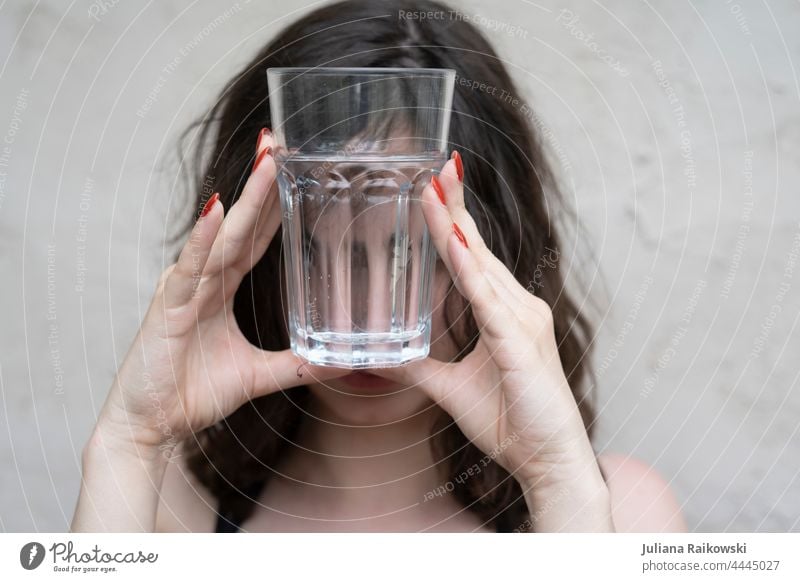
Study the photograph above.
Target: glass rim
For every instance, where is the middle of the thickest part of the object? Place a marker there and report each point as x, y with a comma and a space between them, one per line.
422, 71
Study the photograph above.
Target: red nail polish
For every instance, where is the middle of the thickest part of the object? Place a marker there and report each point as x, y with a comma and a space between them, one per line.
261, 135
459, 165
209, 204
438, 187
267, 151
460, 235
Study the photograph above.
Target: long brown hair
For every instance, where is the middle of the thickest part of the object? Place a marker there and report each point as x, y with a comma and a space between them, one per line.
510, 190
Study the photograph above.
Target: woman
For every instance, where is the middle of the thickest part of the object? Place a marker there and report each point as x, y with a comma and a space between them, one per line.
213, 425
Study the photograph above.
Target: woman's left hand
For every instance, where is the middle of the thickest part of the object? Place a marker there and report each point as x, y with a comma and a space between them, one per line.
510, 395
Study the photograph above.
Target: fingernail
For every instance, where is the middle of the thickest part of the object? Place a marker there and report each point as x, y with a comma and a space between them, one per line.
460, 235
267, 151
209, 204
459, 165
261, 135
438, 187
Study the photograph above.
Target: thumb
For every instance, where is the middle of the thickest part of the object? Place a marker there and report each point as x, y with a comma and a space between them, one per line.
429, 374
275, 371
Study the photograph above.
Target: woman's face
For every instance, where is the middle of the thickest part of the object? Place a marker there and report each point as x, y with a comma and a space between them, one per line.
350, 216
367, 400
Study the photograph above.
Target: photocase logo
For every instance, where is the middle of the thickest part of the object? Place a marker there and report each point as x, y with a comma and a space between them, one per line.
31, 555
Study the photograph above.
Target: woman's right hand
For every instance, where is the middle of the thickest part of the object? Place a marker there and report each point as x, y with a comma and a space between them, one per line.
190, 365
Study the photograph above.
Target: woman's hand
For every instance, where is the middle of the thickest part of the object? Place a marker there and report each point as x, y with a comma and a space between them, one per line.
510, 395
190, 365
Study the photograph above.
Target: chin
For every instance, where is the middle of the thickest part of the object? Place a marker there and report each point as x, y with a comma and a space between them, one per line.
361, 399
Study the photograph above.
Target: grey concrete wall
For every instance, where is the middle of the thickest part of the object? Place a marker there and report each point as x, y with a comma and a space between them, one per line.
675, 127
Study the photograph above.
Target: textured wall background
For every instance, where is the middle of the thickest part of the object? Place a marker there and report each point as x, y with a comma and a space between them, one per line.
676, 130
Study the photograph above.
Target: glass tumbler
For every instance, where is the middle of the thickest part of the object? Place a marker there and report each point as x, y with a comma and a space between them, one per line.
354, 149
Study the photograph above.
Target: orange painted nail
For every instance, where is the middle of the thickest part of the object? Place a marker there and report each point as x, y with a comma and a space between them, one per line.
459, 165
460, 235
261, 135
267, 151
209, 204
438, 187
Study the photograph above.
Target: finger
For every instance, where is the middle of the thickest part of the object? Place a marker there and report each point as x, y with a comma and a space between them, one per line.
274, 371
457, 387
486, 294
474, 280
453, 190
185, 274
505, 283
269, 219
429, 374
438, 220
236, 243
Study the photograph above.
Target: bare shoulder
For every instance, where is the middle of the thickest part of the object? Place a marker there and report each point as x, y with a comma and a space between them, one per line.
185, 504
641, 499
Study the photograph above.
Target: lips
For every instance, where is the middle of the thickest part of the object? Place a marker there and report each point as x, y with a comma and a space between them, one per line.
366, 380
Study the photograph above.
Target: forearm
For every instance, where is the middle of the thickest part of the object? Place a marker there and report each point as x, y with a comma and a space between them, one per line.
120, 485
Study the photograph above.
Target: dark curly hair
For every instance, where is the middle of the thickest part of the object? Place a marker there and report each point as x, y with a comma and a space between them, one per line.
510, 190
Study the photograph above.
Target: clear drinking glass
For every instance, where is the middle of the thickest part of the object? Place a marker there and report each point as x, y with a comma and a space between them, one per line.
354, 149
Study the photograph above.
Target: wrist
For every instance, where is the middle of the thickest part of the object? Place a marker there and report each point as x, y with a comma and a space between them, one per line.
110, 440
144, 425
572, 507
121, 483
560, 462
567, 492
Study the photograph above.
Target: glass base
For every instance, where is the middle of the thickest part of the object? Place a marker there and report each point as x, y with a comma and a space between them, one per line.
361, 350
